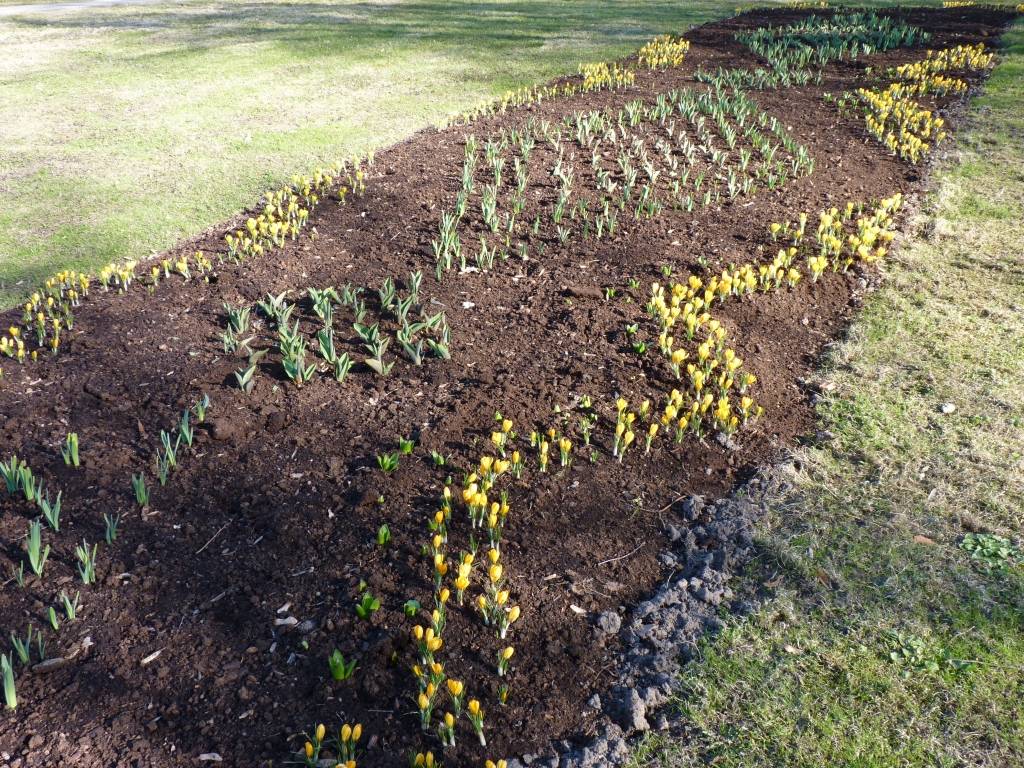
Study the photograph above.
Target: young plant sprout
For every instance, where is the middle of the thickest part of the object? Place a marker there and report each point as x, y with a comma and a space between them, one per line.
170, 449
367, 605
387, 462
245, 377
292, 344
377, 347
340, 366
111, 523
86, 562
29, 484
11, 471
185, 429
10, 692
140, 490
37, 553
383, 535
340, 669
201, 407
70, 606
70, 450
51, 510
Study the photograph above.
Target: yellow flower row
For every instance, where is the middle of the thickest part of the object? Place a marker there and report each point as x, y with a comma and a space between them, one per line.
286, 211
664, 51
601, 76
594, 77
832, 245
900, 123
660, 52
493, 602
959, 57
897, 120
48, 311
715, 392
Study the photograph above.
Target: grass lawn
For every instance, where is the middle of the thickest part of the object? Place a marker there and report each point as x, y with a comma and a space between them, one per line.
128, 128
882, 643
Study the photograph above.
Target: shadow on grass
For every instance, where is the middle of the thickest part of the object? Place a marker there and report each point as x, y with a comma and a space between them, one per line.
310, 30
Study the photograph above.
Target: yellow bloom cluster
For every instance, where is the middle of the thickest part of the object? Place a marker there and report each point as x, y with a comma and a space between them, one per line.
712, 372
959, 57
664, 51
493, 602
67, 284
714, 392
900, 123
348, 736
120, 276
843, 237
599, 76
284, 213
12, 345
45, 314
533, 95
624, 434
595, 77
897, 120
926, 76
183, 265
791, 4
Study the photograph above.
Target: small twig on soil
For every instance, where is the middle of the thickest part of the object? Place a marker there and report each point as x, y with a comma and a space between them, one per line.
667, 507
622, 557
213, 537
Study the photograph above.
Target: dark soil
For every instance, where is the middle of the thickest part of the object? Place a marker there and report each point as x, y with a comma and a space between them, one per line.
274, 512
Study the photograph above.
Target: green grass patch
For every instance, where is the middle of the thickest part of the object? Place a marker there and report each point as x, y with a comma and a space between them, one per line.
895, 634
